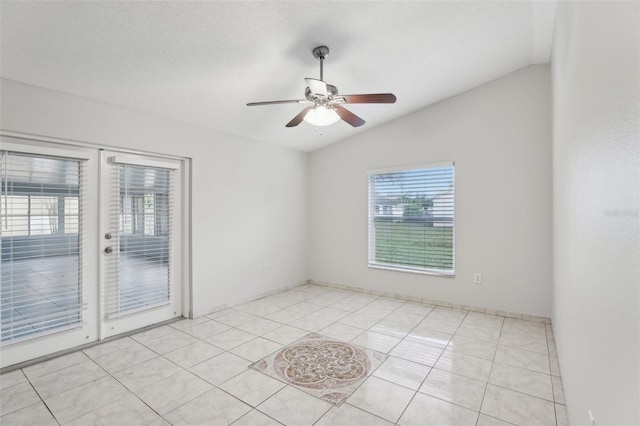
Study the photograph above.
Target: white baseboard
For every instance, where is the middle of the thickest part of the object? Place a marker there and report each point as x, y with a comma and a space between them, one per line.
427, 301
217, 308
423, 300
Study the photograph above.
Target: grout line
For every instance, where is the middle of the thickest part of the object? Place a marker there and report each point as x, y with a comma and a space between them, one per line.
493, 361
41, 400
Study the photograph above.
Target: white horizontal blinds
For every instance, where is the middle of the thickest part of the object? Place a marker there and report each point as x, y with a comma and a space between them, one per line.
138, 271
411, 219
41, 208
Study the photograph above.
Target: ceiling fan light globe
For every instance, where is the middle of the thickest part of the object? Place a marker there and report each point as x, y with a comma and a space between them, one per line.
322, 116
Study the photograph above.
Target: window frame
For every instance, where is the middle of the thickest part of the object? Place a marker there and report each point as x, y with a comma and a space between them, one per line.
61, 215
371, 207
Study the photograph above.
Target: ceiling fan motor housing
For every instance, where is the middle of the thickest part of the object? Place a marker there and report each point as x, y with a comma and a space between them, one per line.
332, 91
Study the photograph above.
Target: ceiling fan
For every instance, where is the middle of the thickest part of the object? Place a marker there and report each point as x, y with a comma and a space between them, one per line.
325, 104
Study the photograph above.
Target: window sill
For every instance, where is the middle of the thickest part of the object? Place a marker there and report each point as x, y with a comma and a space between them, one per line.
434, 272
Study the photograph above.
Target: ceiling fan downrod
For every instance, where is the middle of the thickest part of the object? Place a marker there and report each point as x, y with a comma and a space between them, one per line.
320, 53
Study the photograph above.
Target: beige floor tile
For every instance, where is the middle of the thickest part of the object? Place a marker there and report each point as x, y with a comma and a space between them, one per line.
220, 368
522, 358
146, 373
116, 361
456, 389
84, 399
213, 407
68, 378
293, 407
286, 335
341, 332
478, 348
230, 339
402, 372
15, 397
126, 410
256, 349
252, 387
426, 410
35, 414
55, 364
193, 354
12, 378
348, 415
417, 352
518, 408
464, 365
522, 380
256, 418
382, 398
376, 341
173, 391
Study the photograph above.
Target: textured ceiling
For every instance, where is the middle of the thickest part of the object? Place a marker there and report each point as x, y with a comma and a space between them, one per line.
201, 62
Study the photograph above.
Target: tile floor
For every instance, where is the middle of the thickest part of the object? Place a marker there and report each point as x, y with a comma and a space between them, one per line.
28, 294
444, 367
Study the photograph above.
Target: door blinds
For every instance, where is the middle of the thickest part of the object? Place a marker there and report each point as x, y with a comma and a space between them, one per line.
138, 267
41, 208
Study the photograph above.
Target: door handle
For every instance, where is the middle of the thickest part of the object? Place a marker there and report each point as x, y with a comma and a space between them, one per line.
107, 236
108, 250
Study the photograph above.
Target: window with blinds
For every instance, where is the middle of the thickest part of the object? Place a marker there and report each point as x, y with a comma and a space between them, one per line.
138, 270
41, 207
411, 219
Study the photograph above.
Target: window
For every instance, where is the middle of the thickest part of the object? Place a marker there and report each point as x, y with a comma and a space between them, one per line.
41, 214
411, 219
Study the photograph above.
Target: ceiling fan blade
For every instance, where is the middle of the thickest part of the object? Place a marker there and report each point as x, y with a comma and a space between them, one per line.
372, 98
298, 118
348, 116
317, 87
293, 101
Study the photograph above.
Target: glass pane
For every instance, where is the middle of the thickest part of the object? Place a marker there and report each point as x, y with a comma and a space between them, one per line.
14, 226
144, 261
17, 205
412, 218
40, 285
43, 225
71, 205
71, 215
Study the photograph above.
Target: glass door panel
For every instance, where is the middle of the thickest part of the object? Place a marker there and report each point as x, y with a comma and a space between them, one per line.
47, 287
141, 267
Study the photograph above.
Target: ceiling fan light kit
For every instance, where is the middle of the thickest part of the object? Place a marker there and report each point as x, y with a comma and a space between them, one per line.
326, 108
321, 116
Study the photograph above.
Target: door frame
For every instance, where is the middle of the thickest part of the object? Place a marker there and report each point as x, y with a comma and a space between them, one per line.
136, 319
87, 330
19, 352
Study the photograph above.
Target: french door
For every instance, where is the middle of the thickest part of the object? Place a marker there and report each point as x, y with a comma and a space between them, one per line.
140, 242
91, 244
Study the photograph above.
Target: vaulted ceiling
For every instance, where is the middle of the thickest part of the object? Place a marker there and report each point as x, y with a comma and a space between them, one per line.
201, 62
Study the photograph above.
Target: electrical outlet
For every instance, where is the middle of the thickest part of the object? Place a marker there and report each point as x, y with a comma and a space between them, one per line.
477, 278
265, 268
592, 420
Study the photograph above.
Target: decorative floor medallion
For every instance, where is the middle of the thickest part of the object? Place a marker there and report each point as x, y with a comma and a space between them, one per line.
323, 367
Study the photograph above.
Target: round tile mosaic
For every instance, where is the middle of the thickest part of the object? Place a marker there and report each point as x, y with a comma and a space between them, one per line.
328, 369
321, 363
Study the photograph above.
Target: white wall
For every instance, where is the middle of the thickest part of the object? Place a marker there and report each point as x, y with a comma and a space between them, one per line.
596, 300
248, 198
499, 136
